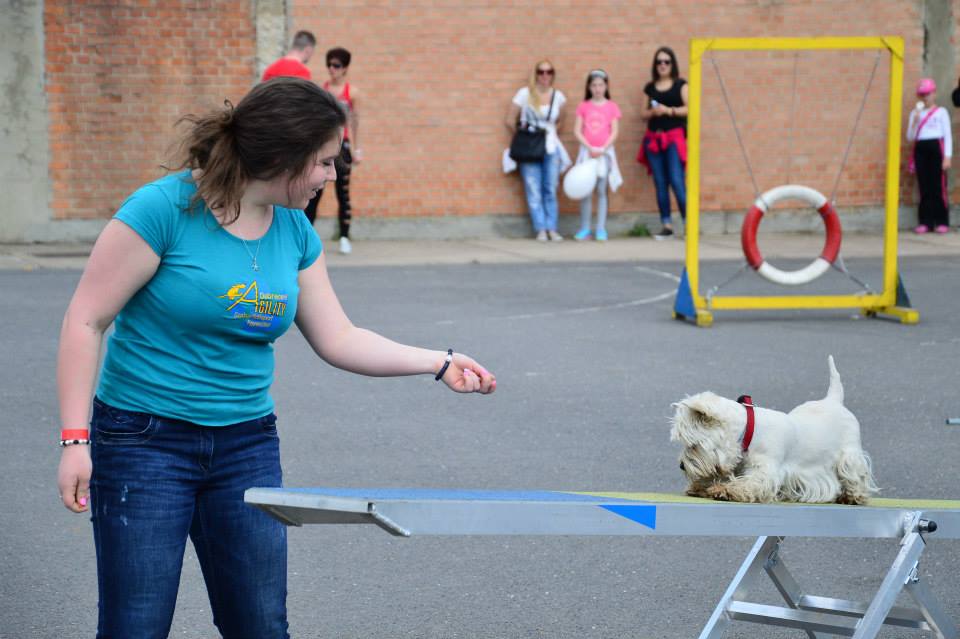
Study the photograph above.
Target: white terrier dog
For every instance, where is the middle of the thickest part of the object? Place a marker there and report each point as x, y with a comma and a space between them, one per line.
811, 454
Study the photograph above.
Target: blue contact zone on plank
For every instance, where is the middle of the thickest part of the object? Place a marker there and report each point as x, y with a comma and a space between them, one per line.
460, 495
640, 513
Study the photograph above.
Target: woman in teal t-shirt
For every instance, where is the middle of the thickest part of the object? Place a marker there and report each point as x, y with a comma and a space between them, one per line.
200, 272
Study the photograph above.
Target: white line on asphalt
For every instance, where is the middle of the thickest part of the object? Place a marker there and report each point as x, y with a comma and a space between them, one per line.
576, 311
669, 276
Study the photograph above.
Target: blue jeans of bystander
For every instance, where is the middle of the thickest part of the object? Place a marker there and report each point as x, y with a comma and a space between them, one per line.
668, 173
540, 185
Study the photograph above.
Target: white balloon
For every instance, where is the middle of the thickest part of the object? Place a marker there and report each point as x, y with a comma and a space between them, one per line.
580, 181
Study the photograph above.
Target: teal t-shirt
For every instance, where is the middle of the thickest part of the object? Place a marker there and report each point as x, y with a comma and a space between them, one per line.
196, 342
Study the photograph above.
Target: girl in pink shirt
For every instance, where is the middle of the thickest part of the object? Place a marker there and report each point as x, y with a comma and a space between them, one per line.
596, 127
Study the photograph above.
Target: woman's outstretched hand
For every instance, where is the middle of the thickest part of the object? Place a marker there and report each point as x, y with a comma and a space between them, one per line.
464, 375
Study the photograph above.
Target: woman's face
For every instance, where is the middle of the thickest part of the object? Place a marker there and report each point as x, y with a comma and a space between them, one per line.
545, 74
598, 86
928, 98
299, 191
664, 65
336, 69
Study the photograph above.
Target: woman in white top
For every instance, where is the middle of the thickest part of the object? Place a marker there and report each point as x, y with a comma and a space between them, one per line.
541, 105
929, 130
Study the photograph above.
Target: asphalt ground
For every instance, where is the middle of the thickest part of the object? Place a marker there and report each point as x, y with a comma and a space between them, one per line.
588, 361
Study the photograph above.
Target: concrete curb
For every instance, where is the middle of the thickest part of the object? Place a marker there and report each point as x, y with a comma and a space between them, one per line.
26, 257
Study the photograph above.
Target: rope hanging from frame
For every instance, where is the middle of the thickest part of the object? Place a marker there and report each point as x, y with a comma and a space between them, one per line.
838, 263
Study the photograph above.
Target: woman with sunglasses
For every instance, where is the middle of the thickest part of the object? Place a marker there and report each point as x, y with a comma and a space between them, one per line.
540, 104
664, 146
338, 63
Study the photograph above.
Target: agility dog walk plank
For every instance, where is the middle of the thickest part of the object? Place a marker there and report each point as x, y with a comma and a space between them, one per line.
480, 512
406, 512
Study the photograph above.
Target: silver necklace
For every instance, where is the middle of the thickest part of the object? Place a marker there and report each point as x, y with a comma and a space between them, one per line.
253, 256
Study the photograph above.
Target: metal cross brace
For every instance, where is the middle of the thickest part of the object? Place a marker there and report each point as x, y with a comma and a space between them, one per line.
820, 617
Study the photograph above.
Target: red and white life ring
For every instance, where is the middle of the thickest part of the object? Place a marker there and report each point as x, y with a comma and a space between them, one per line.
816, 268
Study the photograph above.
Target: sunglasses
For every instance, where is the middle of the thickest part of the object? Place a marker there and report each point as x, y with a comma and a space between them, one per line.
334, 65
544, 71
667, 62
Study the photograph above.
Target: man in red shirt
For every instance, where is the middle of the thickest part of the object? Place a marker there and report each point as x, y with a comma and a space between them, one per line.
295, 62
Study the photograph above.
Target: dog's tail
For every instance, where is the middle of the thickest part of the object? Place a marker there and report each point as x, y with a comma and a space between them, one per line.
835, 392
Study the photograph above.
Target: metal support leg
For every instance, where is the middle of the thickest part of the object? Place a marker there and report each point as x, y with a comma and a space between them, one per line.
750, 569
787, 586
820, 617
930, 608
903, 567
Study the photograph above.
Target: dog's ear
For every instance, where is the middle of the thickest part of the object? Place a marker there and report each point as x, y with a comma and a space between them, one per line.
704, 419
703, 410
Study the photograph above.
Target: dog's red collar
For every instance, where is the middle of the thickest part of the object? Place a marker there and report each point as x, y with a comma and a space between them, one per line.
747, 402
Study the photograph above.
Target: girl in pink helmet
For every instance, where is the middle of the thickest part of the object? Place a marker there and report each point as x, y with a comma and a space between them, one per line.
929, 130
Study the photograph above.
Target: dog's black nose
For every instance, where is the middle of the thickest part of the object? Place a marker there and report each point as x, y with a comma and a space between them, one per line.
681, 466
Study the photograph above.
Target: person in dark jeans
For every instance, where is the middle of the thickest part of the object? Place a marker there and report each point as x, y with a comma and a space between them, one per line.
338, 61
664, 146
200, 272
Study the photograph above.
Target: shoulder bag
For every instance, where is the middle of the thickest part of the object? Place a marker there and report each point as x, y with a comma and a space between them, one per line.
529, 143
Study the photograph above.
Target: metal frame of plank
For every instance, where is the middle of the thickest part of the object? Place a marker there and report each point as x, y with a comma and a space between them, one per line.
406, 512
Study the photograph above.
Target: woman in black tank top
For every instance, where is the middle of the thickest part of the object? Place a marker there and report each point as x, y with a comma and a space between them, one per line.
664, 147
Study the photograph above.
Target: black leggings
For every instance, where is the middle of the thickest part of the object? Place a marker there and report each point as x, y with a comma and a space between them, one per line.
342, 164
932, 180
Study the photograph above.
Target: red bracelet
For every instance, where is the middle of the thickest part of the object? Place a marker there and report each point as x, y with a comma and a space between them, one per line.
75, 433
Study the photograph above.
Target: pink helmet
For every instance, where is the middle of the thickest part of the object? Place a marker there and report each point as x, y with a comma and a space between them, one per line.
925, 86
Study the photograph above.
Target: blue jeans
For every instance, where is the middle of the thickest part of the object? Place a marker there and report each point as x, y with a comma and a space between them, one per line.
157, 481
668, 173
540, 185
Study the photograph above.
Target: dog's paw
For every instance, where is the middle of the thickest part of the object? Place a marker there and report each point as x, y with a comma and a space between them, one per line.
853, 500
719, 492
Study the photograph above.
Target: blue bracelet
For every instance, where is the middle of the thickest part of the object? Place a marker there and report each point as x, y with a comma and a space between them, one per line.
446, 364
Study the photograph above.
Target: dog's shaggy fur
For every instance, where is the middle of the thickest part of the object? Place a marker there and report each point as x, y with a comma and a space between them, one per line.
811, 454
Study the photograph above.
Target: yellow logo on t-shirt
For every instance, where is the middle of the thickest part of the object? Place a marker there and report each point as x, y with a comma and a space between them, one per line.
262, 303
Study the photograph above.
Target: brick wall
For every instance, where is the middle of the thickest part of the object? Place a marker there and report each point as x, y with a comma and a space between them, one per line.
119, 75
436, 81
438, 78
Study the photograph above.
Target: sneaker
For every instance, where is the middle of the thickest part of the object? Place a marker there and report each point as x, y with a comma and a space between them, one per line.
942, 228
601, 235
554, 236
664, 234
582, 234
345, 247
541, 236
921, 229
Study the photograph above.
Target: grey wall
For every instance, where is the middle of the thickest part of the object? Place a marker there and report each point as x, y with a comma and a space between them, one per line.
24, 150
